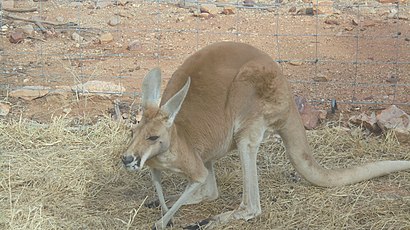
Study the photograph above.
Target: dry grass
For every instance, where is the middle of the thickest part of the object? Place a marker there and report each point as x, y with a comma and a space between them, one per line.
61, 176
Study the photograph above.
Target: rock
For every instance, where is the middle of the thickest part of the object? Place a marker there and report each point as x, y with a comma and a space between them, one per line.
76, 37
248, 3
322, 114
392, 14
30, 92
60, 19
209, 8
292, 9
306, 11
396, 120
323, 7
204, 15
392, 79
228, 10
115, 20
106, 38
134, 45
4, 109
332, 22
28, 29
295, 63
368, 122
98, 88
320, 79
67, 110
4, 28
309, 115
16, 36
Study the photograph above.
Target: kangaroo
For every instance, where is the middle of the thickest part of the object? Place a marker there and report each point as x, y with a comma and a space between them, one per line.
224, 97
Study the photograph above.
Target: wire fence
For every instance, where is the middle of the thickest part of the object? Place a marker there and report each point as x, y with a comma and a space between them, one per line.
354, 52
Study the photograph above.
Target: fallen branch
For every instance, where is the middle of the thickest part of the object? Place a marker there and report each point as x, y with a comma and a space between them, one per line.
20, 10
15, 17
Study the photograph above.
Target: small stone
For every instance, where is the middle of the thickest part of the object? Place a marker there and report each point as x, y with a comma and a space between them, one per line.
322, 114
332, 22
323, 7
60, 19
134, 45
98, 88
4, 28
114, 21
309, 115
76, 37
296, 63
228, 10
407, 39
180, 19
320, 79
392, 79
368, 122
17, 36
396, 120
30, 92
392, 14
28, 29
4, 109
248, 3
292, 9
106, 38
209, 8
205, 15
67, 110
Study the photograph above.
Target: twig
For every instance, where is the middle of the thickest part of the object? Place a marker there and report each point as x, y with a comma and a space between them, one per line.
42, 28
33, 20
117, 110
34, 38
20, 10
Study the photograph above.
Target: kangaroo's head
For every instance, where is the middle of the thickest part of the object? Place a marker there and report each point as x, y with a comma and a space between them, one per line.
152, 136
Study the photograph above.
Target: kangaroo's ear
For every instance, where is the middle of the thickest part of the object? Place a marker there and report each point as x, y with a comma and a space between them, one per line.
151, 88
173, 105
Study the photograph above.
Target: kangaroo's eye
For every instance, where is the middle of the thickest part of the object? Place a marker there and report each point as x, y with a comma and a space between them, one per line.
153, 138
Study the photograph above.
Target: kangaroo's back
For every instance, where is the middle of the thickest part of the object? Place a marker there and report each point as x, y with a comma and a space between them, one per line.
216, 99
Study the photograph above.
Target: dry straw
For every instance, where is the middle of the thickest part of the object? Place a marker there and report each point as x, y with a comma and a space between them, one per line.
62, 176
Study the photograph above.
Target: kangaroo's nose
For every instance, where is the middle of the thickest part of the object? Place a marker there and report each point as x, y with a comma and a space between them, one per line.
127, 159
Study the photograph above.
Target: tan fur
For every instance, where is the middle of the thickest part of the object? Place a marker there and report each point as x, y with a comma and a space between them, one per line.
236, 92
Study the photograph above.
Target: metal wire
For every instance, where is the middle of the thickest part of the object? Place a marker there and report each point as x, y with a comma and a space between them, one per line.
318, 60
